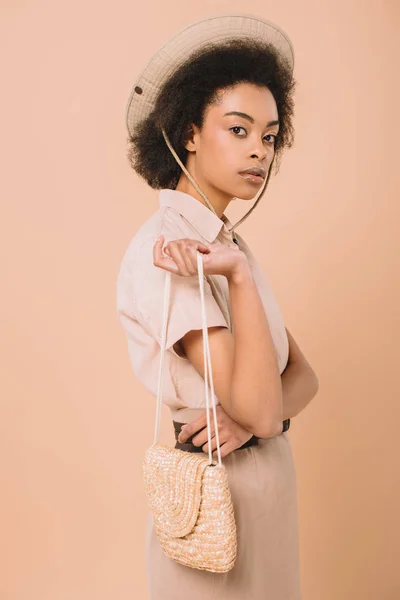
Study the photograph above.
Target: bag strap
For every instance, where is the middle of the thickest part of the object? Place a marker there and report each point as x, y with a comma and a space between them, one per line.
207, 362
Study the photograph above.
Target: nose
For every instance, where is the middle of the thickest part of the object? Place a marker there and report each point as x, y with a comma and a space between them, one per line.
259, 152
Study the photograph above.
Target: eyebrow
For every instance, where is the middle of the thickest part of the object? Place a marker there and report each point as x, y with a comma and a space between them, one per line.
248, 117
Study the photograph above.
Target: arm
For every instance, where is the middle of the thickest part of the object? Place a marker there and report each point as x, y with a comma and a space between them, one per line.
299, 382
256, 391
299, 386
245, 368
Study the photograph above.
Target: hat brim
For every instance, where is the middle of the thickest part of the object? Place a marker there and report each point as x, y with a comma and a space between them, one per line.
190, 39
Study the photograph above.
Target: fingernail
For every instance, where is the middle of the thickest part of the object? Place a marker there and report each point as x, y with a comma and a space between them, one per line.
182, 434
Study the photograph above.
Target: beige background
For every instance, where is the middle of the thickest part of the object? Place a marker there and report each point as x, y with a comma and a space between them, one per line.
74, 420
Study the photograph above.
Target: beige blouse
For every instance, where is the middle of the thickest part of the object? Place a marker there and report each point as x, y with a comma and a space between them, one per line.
140, 295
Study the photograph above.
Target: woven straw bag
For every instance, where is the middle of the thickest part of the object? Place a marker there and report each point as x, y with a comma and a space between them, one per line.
188, 494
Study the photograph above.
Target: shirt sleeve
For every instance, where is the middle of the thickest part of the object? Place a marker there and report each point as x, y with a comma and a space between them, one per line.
184, 312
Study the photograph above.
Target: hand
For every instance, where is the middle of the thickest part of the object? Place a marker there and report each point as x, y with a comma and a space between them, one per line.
231, 434
181, 257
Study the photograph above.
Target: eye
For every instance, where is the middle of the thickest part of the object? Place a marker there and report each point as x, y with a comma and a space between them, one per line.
268, 135
273, 135
237, 127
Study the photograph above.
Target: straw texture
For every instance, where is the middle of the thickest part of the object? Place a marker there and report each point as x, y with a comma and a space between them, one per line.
192, 508
176, 51
188, 494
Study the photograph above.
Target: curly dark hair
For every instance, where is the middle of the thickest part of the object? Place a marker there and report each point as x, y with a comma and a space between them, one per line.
192, 88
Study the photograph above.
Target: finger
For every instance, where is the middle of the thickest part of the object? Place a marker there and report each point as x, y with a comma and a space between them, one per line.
178, 253
215, 247
204, 248
225, 447
200, 423
204, 445
189, 254
191, 257
225, 450
163, 261
189, 248
197, 424
186, 432
192, 427
198, 438
202, 438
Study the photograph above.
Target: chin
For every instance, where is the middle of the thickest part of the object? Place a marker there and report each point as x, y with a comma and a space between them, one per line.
249, 196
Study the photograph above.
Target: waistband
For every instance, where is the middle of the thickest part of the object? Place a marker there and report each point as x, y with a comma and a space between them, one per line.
188, 446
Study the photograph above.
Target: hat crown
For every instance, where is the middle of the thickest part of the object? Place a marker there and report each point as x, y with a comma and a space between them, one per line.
171, 55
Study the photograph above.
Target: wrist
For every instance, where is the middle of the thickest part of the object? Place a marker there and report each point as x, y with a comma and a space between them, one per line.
241, 274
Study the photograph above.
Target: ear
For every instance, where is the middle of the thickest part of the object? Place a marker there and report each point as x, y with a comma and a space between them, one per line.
190, 137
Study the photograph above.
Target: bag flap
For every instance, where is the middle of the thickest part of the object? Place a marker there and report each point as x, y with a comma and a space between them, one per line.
172, 482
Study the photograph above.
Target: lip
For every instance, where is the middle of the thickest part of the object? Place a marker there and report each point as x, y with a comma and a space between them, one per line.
252, 178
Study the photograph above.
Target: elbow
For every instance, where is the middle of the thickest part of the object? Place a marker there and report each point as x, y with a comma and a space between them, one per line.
268, 430
270, 425
314, 386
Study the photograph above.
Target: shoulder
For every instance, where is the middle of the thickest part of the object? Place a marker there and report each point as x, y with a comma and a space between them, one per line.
139, 279
166, 222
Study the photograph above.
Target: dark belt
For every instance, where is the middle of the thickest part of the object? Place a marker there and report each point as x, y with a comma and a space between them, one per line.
188, 446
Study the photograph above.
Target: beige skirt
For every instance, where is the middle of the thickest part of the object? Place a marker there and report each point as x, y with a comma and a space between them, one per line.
262, 481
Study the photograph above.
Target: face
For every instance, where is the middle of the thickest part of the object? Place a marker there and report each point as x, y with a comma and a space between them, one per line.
230, 143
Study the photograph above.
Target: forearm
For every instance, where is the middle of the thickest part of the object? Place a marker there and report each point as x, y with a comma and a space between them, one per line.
255, 372
299, 386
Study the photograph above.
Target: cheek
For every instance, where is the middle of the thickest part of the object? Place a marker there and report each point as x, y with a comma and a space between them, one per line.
218, 167
224, 144
213, 157
220, 155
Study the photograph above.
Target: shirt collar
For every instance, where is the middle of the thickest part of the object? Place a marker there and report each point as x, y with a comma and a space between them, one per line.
202, 218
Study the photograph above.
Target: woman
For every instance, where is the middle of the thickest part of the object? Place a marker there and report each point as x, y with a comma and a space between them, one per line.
208, 118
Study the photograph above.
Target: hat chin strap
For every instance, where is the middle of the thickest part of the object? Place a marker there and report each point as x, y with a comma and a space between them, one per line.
196, 186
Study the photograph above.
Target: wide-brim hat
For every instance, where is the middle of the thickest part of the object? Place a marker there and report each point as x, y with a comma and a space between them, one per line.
178, 49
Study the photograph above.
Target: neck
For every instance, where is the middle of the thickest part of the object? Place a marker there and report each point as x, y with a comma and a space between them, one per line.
218, 202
